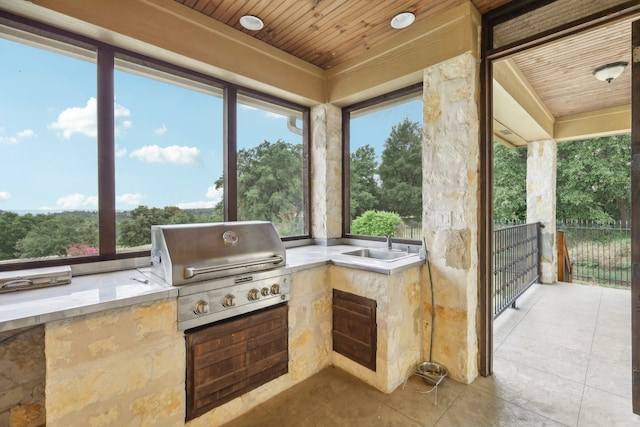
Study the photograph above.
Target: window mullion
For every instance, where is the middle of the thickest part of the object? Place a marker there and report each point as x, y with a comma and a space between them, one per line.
106, 144
230, 153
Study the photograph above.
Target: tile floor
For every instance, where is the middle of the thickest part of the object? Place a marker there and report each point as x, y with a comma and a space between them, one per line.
562, 359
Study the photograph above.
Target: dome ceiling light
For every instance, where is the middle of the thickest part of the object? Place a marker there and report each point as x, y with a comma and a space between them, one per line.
608, 72
252, 23
402, 20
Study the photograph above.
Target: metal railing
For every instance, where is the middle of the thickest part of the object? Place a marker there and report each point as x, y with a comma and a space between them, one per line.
516, 263
600, 252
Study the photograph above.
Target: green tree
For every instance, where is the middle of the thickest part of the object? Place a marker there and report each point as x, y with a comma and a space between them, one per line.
594, 179
270, 185
13, 228
55, 234
509, 183
364, 190
136, 229
376, 223
401, 170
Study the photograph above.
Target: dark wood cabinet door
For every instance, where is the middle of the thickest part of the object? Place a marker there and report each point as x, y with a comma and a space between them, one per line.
355, 328
230, 358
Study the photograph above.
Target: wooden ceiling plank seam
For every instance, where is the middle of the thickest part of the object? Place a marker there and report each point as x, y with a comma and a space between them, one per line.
199, 5
276, 23
298, 31
296, 19
286, 23
377, 20
334, 41
209, 8
225, 11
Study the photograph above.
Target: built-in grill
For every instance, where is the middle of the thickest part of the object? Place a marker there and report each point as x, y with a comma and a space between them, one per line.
233, 288
221, 269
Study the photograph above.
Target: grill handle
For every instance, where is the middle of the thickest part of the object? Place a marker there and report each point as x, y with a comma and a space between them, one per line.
190, 272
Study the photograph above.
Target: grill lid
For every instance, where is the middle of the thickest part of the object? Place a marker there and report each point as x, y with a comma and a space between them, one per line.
190, 253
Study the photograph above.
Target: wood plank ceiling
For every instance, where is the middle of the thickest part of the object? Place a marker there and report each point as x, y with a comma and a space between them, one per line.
325, 32
330, 32
561, 72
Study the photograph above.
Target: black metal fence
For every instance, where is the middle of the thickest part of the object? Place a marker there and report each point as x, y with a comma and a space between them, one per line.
600, 252
516, 263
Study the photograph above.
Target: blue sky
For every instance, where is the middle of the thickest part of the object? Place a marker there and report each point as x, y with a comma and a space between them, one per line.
168, 138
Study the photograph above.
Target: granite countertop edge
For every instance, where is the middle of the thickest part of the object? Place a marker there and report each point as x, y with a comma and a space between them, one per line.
92, 293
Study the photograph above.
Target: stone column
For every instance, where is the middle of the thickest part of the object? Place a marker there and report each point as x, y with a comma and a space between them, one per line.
450, 159
541, 202
326, 172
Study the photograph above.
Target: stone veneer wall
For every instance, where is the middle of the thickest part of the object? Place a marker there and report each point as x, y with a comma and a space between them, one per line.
326, 171
399, 323
22, 377
450, 216
116, 368
127, 366
541, 202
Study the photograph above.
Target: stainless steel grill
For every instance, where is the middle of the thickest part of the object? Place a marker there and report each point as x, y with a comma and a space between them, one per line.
221, 269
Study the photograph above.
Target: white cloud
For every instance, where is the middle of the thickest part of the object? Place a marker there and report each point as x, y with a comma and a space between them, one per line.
77, 201
196, 205
83, 120
18, 137
161, 130
172, 154
4, 195
215, 194
131, 199
120, 152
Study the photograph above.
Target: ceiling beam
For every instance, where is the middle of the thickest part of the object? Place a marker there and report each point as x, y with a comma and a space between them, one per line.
593, 124
401, 61
517, 105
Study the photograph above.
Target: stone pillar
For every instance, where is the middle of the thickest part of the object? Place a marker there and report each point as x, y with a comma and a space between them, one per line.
541, 202
326, 172
450, 159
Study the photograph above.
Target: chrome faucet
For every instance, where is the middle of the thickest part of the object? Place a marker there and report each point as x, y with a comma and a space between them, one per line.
389, 243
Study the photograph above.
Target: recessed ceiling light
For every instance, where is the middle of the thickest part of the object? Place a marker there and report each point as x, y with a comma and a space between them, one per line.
251, 22
402, 20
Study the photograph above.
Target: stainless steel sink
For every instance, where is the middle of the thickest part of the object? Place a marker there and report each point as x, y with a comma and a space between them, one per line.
378, 254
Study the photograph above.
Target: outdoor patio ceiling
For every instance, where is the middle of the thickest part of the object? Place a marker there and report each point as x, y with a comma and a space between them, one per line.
550, 91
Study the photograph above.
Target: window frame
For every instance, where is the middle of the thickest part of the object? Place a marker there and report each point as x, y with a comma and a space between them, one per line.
376, 103
26, 31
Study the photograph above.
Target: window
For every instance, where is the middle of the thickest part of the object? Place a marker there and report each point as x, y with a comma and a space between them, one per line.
168, 153
86, 168
270, 169
48, 160
383, 142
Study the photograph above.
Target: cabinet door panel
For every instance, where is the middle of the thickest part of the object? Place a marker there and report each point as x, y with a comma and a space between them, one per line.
355, 328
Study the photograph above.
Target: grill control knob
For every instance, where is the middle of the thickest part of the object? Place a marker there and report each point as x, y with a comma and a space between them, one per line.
275, 289
265, 292
254, 295
202, 307
227, 301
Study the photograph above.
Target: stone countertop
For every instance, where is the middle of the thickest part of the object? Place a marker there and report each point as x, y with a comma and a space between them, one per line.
92, 293
310, 256
84, 295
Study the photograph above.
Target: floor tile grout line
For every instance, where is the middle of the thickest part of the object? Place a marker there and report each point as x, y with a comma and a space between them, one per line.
586, 373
